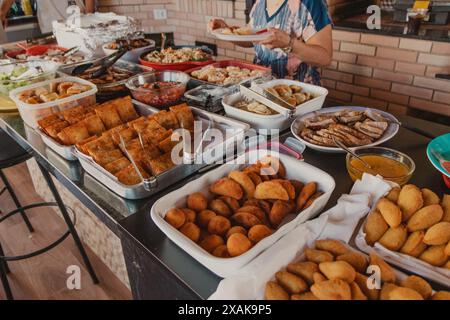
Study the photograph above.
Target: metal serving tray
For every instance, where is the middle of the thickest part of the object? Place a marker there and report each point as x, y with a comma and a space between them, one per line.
178, 172
67, 152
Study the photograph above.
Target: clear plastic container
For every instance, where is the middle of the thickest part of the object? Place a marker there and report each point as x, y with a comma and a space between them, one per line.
31, 113
8, 82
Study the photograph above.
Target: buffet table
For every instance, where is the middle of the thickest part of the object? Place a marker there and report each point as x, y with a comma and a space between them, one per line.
157, 268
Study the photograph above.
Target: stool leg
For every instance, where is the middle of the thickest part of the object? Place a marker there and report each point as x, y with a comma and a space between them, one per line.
69, 223
4, 278
2, 254
16, 201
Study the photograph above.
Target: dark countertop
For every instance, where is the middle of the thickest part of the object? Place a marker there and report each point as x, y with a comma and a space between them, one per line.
395, 29
131, 219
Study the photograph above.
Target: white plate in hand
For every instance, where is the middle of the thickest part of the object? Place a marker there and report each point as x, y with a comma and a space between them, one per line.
239, 38
390, 132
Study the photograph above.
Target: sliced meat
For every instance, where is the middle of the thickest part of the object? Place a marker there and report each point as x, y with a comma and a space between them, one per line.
320, 124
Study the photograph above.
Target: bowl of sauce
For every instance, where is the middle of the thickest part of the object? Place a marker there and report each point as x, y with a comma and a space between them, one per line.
391, 164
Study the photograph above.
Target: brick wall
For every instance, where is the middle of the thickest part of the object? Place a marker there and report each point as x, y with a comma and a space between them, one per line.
385, 72
389, 73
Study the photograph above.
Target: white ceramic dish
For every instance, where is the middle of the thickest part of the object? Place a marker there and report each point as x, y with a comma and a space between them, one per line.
298, 125
226, 267
278, 121
237, 38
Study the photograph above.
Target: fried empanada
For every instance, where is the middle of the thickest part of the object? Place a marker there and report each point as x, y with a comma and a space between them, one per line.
414, 244
244, 181
338, 270
219, 225
437, 234
425, 218
409, 200
307, 191
332, 290
434, 255
394, 238
305, 270
335, 247
259, 232
291, 283
246, 219
417, 284
270, 190
279, 211
387, 273
227, 187
220, 207
390, 212
238, 244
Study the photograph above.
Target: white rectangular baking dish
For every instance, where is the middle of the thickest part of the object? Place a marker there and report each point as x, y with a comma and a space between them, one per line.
277, 121
226, 267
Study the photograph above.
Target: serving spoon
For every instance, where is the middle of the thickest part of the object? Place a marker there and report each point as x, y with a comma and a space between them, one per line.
344, 147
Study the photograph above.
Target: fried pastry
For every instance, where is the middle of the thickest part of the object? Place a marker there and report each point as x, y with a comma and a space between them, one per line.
129, 176
227, 187
73, 134
125, 109
110, 117
117, 165
244, 181
167, 119
270, 190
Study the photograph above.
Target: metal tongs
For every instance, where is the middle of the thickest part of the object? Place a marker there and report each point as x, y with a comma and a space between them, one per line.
191, 157
149, 183
104, 63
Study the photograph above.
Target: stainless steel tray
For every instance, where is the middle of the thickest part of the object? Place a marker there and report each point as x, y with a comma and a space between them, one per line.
67, 152
178, 172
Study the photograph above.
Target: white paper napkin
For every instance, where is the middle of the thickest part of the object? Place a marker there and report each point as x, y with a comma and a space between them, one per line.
338, 223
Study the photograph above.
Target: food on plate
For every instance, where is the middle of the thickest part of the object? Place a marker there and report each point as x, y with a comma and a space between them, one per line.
130, 44
410, 200
204, 217
291, 94
291, 283
394, 238
352, 128
305, 270
259, 232
338, 270
386, 290
254, 107
225, 76
274, 291
175, 217
425, 218
400, 293
236, 229
339, 280
220, 207
387, 273
437, 234
211, 242
170, 55
271, 190
238, 244
159, 93
375, 227
56, 91
221, 252
336, 289
414, 245
197, 202
429, 197
390, 212
54, 54
419, 285
357, 293
219, 225
113, 74
240, 31
426, 234
244, 181
441, 295
234, 206
227, 187
307, 191
393, 194
318, 256
357, 260
191, 231
434, 255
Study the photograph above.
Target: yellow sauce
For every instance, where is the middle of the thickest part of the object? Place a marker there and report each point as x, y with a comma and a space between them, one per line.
389, 169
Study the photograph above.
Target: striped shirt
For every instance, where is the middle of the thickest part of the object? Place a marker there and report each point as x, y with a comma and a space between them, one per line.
302, 18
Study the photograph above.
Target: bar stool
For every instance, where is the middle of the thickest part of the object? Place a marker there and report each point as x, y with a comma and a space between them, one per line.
12, 154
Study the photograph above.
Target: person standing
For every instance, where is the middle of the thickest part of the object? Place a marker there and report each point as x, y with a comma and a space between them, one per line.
47, 12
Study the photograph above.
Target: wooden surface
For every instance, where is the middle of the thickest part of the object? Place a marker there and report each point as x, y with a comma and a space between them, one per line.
44, 277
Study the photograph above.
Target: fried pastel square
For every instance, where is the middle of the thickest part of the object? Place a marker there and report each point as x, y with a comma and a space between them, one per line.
125, 108
74, 134
55, 128
167, 144
82, 145
109, 115
74, 115
48, 121
117, 165
167, 119
105, 157
129, 176
127, 135
161, 164
184, 115
103, 143
94, 125
138, 124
